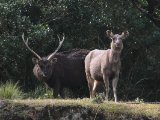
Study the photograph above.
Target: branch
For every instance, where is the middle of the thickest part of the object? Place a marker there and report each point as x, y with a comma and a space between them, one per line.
148, 12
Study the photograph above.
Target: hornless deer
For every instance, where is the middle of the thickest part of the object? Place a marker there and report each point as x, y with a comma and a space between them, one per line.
104, 65
60, 70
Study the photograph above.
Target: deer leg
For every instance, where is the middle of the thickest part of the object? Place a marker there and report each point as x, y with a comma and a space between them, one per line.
55, 93
106, 83
90, 82
94, 88
90, 85
114, 85
61, 92
56, 89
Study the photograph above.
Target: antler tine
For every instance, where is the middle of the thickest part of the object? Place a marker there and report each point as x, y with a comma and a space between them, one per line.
60, 44
60, 39
26, 43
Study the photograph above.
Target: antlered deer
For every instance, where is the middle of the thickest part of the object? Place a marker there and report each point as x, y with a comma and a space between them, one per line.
104, 65
60, 70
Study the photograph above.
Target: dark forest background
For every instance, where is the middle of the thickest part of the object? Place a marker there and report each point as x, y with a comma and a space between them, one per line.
84, 23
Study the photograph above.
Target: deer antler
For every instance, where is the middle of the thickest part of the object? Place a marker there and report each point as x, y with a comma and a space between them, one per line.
26, 43
60, 44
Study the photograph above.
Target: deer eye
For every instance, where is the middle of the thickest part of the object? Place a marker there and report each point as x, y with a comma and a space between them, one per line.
40, 65
114, 39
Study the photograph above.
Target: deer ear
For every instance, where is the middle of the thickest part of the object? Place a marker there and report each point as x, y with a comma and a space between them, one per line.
34, 60
53, 60
109, 33
125, 34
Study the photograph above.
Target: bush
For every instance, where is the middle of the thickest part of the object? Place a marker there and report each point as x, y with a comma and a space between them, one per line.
68, 93
40, 92
10, 90
99, 98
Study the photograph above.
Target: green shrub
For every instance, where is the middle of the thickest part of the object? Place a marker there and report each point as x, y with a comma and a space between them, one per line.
98, 99
10, 90
40, 92
68, 93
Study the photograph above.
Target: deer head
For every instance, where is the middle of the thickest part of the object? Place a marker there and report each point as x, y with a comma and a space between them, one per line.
43, 65
117, 40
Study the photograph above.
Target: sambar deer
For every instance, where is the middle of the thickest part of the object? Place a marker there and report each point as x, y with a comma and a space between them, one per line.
104, 65
60, 70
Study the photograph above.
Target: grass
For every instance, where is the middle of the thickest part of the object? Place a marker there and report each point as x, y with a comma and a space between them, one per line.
10, 90
109, 108
42, 98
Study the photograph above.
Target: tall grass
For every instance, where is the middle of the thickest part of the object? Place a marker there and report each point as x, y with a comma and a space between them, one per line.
10, 90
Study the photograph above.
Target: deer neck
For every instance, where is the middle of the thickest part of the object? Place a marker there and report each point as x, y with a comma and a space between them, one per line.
114, 56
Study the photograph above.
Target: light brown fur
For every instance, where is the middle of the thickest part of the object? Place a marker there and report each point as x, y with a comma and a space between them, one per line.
103, 65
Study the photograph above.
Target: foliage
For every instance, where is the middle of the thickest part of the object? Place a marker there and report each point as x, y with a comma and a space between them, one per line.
98, 99
68, 93
138, 100
84, 24
10, 90
40, 92
150, 8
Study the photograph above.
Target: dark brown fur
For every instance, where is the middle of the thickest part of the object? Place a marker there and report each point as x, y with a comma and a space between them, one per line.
67, 72
60, 70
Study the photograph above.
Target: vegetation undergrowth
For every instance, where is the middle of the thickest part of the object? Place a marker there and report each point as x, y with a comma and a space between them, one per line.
40, 92
98, 99
10, 90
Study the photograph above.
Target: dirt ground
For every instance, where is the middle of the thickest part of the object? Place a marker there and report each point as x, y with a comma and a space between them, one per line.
35, 110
